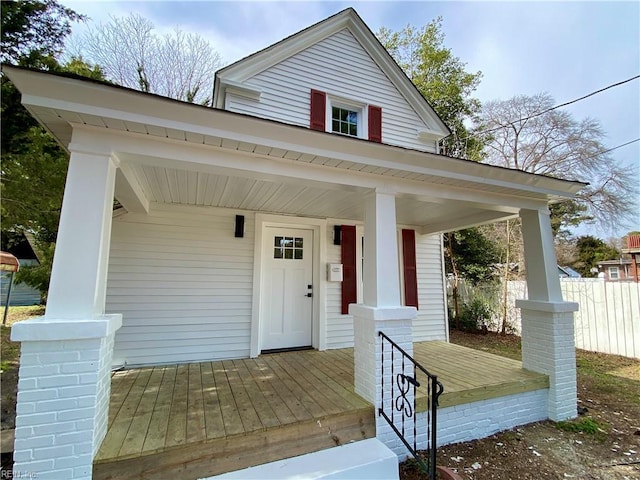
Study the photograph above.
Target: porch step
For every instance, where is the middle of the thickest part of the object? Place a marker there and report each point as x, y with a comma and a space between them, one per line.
226, 454
369, 459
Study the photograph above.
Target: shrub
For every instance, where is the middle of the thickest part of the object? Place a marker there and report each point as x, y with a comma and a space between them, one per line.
476, 315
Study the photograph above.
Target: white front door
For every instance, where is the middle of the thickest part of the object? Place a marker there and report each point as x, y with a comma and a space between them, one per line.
288, 288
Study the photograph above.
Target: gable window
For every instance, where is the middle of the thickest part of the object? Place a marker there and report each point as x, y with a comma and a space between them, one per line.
346, 117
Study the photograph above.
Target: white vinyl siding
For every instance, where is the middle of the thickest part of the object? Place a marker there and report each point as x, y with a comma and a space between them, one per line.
339, 66
431, 323
339, 326
183, 284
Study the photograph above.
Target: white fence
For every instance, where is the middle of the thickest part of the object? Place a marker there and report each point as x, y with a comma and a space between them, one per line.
609, 317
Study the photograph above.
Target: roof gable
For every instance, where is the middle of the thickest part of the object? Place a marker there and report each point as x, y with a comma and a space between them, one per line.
235, 74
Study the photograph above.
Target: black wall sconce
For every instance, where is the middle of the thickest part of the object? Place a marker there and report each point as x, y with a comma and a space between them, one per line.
337, 234
239, 226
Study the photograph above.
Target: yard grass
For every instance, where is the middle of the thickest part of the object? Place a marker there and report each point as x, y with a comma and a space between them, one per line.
17, 314
10, 351
602, 374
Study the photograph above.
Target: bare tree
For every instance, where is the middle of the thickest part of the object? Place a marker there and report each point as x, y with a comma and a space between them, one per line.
526, 133
566, 251
508, 236
132, 54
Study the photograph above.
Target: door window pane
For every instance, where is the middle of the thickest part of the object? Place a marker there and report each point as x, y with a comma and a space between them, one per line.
288, 248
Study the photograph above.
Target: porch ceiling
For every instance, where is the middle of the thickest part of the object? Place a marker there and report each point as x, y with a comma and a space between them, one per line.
291, 197
173, 152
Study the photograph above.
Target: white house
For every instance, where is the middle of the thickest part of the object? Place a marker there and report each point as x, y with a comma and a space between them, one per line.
305, 209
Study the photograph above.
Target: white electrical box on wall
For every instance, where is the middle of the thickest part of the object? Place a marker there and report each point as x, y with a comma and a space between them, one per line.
334, 272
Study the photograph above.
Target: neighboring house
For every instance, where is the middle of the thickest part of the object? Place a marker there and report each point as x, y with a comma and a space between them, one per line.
21, 293
304, 210
625, 268
620, 270
633, 250
568, 272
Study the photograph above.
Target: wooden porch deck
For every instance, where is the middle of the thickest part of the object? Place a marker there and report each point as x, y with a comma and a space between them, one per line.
470, 375
201, 419
196, 420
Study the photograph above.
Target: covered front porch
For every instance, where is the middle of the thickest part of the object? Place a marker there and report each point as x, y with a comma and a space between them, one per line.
200, 419
155, 157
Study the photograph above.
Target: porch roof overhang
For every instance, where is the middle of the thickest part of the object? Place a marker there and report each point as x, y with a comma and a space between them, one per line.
175, 152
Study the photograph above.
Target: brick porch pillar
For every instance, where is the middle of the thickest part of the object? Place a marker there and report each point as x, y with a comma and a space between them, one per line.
548, 342
63, 395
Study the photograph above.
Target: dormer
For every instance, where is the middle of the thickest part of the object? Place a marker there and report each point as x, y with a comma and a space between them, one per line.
335, 77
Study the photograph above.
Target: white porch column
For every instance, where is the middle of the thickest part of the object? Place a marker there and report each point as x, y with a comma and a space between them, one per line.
380, 270
78, 277
65, 363
382, 309
548, 342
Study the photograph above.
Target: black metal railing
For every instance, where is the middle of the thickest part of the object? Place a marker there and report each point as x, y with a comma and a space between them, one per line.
398, 404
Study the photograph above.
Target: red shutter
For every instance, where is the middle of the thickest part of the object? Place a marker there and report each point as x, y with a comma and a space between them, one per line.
349, 280
318, 110
375, 124
409, 268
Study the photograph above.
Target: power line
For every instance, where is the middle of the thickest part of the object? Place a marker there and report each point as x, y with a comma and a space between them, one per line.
613, 148
559, 106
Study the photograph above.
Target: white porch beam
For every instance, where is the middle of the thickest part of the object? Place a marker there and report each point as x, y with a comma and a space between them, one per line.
79, 274
128, 190
167, 153
479, 218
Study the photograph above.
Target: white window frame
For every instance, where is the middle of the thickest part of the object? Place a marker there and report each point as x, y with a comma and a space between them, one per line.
360, 108
614, 273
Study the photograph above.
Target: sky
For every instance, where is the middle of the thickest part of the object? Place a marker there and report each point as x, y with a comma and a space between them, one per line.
568, 49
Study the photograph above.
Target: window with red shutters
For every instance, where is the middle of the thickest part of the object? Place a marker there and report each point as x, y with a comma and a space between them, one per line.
349, 275
409, 268
318, 110
375, 124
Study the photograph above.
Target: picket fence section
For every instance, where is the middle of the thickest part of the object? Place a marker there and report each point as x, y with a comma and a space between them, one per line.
609, 317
